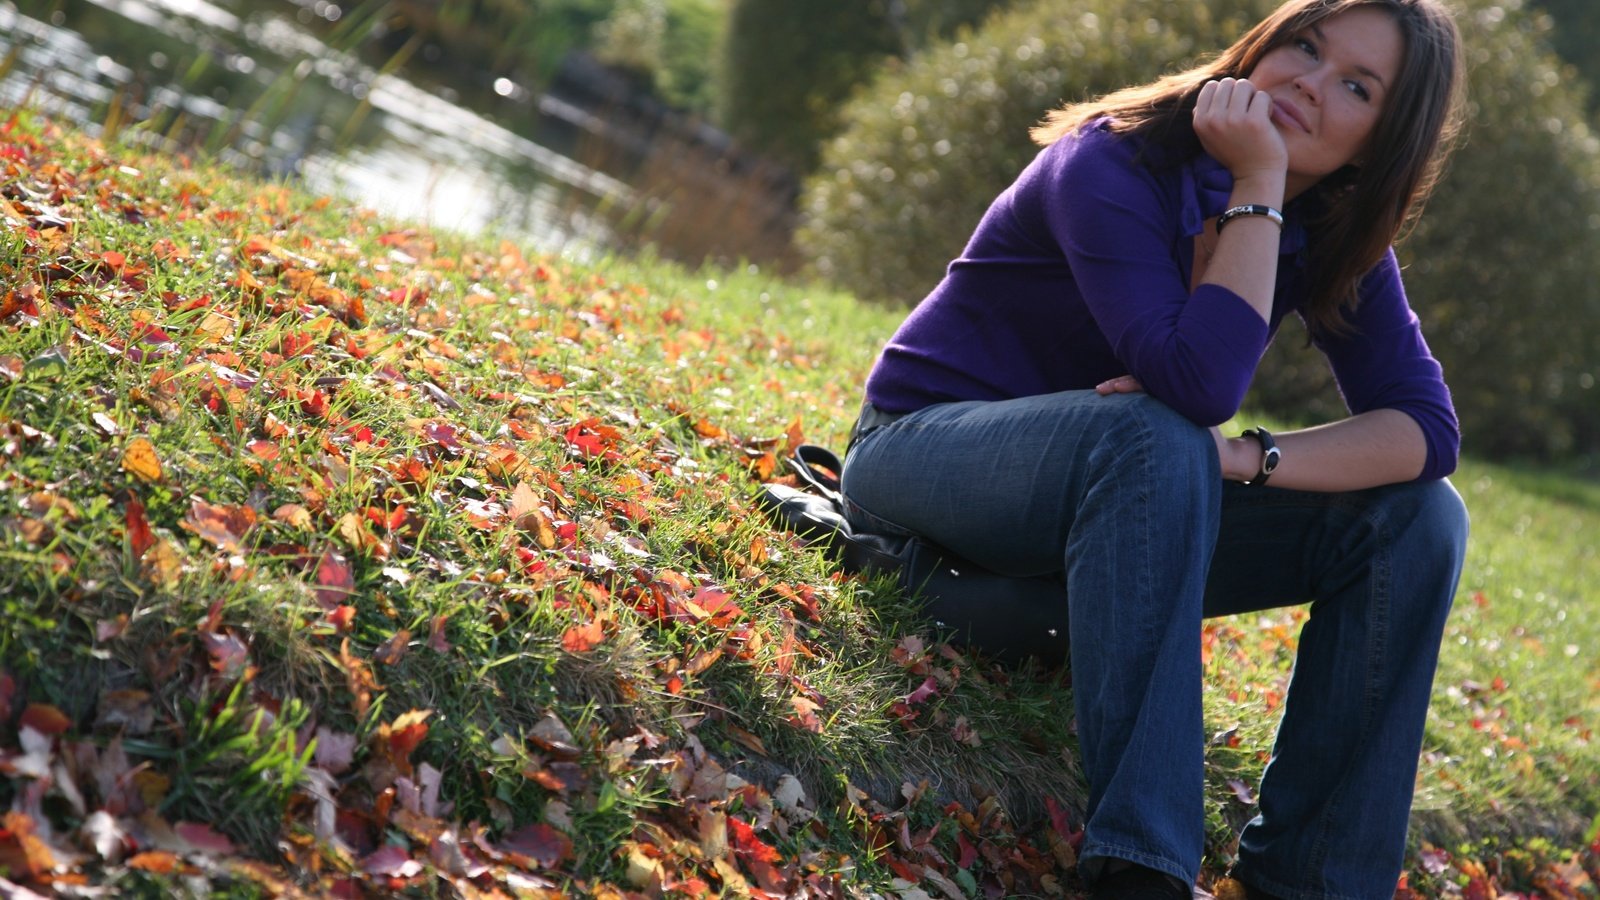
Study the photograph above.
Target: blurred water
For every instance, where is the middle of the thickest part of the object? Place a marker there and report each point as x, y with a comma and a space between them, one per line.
260, 83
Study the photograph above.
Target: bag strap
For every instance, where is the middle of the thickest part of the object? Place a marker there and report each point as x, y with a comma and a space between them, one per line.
805, 463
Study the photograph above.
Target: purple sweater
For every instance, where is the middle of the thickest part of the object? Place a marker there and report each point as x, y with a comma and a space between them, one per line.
1079, 272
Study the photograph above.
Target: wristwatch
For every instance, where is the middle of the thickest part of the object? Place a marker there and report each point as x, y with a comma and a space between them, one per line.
1270, 455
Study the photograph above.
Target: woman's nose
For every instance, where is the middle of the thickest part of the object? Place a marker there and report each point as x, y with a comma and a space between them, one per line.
1309, 84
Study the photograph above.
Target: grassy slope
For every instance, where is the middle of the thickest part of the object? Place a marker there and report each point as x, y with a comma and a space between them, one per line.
303, 514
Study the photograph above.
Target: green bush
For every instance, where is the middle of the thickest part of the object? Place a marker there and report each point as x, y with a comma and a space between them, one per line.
1501, 269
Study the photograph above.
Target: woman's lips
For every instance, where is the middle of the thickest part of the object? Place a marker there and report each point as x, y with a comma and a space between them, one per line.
1288, 112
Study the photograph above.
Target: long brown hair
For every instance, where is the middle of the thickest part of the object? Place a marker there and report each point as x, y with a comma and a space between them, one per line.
1365, 208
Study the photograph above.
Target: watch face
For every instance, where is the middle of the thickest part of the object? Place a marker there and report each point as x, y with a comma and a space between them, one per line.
1269, 462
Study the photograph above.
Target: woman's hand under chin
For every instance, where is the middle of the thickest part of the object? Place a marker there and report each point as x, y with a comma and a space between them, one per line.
1233, 121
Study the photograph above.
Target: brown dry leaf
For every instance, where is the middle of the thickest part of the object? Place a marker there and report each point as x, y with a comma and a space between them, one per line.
538, 845
293, 515
222, 525
139, 459
162, 564
215, 328
353, 529
130, 710
527, 515
805, 714
749, 740
394, 649
703, 661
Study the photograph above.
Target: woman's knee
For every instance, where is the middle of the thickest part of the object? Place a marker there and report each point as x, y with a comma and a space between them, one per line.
1429, 515
1144, 426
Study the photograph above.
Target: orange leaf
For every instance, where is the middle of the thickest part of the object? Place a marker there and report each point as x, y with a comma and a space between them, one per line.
139, 459
583, 638
407, 731
157, 862
22, 852
748, 846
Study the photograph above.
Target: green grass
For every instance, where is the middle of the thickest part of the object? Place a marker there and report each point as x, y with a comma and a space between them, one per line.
435, 514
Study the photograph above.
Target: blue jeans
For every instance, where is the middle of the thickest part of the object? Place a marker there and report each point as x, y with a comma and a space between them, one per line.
1123, 496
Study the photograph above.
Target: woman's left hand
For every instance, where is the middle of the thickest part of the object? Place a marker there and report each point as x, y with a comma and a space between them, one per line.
1122, 384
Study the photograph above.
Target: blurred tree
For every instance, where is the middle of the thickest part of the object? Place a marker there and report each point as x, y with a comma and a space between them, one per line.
669, 47
631, 37
1575, 35
1502, 269
787, 66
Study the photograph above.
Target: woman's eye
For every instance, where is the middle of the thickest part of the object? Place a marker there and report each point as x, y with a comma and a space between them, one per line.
1359, 89
1305, 45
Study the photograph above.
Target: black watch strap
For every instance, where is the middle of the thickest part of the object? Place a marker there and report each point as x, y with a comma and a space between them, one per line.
1270, 455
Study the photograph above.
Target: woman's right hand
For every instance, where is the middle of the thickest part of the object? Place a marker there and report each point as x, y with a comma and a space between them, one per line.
1233, 121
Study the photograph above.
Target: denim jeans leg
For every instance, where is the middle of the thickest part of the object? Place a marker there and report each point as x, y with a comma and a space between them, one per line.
1122, 494
1380, 567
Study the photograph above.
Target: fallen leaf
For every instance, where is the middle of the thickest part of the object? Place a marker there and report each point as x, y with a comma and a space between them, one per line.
107, 425
335, 583
582, 638
156, 862
391, 862
139, 459
223, 526
294, 515
45, 719
393, 650
928, 688
140, 537
537, 845
203, 839
407, 731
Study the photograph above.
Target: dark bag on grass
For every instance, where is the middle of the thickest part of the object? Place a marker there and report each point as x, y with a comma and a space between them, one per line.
1010, 618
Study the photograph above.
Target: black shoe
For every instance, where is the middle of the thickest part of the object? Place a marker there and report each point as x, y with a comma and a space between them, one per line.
1139, 883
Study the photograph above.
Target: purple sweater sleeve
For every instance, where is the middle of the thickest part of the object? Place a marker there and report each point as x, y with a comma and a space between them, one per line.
1384, 363
1195, 351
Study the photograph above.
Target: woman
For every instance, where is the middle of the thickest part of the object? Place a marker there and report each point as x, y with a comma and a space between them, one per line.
1051, 409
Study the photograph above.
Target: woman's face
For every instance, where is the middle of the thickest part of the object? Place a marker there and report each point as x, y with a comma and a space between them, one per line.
1328, 85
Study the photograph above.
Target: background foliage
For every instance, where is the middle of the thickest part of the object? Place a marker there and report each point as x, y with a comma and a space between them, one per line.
1500, 268
788, 67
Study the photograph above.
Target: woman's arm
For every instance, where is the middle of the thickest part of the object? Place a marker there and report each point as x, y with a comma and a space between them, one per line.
1232, 120
1384, 446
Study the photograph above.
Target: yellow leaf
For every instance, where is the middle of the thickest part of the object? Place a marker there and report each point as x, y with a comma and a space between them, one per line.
140, 460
